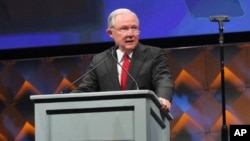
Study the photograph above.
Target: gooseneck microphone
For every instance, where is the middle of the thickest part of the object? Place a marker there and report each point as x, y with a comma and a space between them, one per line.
66, 90
130, 76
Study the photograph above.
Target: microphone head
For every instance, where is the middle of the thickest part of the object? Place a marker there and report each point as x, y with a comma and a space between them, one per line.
115, 48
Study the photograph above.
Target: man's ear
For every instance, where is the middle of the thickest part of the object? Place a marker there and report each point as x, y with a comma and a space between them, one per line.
110, 32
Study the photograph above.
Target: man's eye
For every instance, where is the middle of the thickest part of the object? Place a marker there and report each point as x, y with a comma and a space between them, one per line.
134, 28
123, 29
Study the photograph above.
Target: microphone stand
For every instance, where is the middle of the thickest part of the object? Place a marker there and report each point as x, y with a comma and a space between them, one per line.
220, 20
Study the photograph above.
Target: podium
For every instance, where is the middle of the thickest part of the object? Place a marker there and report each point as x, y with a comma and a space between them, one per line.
131, 115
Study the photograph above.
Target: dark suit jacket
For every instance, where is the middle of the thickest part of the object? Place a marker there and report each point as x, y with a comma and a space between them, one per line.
148, 67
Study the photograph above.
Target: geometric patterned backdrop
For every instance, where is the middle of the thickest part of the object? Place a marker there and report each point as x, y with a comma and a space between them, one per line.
196, 104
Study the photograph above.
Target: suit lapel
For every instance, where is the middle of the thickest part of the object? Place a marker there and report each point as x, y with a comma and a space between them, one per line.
111, 67
137, 61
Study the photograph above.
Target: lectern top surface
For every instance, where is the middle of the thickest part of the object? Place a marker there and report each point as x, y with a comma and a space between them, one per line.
76, 95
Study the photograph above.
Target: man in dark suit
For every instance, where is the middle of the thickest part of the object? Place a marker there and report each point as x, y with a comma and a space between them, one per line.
147, 65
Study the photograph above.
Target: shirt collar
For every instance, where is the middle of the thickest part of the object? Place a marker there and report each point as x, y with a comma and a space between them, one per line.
120, 54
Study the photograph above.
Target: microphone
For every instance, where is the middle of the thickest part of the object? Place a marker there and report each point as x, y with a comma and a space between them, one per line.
131, 77
67, 88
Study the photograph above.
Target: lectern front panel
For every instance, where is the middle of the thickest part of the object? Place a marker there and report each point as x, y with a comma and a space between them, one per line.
91, 124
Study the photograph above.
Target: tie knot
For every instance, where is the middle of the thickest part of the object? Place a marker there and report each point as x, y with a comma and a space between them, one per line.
125, 56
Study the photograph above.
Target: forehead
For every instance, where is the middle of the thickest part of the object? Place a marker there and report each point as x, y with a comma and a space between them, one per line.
126, 19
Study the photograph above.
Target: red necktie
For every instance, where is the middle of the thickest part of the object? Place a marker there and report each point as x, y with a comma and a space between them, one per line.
124, 73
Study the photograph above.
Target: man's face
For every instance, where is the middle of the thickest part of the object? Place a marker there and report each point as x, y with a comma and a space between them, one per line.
125, 32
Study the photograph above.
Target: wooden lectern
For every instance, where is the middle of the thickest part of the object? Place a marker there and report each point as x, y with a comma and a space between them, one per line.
132, 115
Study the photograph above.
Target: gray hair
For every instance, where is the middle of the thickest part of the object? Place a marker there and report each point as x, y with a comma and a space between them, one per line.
112, 16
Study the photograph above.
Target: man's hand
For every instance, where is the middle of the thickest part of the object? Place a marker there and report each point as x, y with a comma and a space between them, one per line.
165, 104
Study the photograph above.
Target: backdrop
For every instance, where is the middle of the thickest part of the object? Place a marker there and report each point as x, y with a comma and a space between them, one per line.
196, 103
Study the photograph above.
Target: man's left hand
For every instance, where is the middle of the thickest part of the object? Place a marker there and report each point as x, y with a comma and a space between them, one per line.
165, 104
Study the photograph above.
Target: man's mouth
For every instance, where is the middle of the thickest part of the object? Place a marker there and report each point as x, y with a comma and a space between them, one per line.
129, 41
